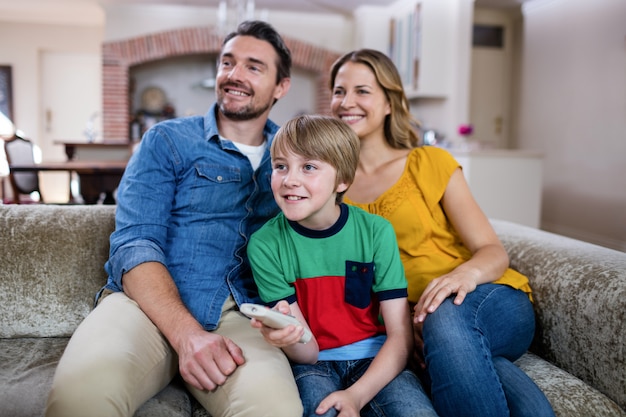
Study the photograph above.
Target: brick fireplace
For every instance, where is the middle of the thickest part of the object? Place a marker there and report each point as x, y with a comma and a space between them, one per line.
119, 56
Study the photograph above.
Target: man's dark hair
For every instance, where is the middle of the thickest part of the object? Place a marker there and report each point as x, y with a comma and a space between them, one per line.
265, 32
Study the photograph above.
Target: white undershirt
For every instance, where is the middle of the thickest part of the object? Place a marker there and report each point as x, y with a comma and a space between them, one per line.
254, 153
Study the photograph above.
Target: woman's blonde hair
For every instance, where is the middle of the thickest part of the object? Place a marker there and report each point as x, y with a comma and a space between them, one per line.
322, 138
400, 126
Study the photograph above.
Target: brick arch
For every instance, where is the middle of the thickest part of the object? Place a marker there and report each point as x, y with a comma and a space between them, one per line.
119, 56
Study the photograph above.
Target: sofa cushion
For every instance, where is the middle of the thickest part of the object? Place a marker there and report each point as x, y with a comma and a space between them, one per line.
28, 366
568, 395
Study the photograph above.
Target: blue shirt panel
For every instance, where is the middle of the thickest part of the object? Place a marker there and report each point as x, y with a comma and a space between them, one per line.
190, 201
366, 348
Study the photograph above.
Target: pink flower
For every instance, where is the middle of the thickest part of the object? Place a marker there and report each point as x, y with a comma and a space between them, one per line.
466, 129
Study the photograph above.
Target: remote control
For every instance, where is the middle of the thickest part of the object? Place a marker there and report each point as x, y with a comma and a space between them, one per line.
273, 319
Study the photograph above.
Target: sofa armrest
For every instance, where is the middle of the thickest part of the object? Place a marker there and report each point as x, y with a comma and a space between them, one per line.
579, 292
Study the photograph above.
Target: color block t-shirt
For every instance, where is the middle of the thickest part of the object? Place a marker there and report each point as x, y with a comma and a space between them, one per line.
338, 276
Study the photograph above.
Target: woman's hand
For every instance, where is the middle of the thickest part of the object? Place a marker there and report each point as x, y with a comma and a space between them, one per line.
455, 282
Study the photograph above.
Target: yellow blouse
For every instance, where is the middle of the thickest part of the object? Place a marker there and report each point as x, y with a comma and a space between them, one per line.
429, 245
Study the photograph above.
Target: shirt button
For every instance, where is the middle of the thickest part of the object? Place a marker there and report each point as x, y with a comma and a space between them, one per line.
220, 178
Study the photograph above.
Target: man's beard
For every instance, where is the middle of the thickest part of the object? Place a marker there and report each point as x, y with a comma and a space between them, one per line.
243, 113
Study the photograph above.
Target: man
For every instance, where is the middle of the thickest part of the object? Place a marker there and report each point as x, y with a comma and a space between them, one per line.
192, 194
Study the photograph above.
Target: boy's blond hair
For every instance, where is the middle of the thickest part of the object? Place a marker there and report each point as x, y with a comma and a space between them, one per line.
322, 138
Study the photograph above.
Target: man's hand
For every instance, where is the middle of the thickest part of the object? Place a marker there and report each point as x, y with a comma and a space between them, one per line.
207, 359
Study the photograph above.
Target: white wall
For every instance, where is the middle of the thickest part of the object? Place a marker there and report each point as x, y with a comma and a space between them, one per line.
21, 46
332, 32
572, 107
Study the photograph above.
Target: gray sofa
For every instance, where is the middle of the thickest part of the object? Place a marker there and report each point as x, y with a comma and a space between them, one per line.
52, 260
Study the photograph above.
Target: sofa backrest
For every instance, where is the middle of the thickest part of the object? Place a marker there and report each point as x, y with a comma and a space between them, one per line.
51, 266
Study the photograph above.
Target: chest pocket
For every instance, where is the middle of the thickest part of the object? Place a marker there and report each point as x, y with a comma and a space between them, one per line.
219, 174
216, 185
359, 281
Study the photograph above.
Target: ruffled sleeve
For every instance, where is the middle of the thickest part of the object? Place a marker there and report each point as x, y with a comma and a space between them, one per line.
431, 169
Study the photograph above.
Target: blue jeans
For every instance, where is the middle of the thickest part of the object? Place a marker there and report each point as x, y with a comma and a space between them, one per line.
469, 352
403, 396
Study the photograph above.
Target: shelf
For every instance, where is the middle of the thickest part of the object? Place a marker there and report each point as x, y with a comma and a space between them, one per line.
417, 94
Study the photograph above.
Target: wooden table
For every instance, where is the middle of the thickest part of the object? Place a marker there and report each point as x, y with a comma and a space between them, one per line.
95, 176
105, 147
107, 150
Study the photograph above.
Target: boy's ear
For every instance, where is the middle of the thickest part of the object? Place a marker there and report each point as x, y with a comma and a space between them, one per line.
342, 187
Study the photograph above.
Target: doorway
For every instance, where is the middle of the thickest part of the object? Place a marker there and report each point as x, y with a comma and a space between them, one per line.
70, 98
492, 76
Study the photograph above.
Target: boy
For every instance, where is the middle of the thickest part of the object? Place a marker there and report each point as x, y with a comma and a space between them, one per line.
336, 269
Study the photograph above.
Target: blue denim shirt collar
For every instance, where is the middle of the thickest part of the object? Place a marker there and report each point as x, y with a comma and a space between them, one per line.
212, 131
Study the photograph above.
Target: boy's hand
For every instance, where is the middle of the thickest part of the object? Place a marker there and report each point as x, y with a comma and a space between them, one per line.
342, 401
280, 338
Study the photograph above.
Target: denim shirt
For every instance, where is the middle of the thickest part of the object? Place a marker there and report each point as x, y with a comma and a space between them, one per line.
190, 201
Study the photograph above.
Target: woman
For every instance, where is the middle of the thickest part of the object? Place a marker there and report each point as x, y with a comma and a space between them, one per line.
472, 314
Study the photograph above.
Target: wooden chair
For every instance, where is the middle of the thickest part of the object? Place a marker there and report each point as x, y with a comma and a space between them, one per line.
19, 150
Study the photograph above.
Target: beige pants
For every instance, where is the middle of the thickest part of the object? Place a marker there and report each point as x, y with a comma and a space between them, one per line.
117, 359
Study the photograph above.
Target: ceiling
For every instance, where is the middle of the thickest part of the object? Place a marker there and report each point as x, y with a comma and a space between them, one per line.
312, 6
90, 11
61, 9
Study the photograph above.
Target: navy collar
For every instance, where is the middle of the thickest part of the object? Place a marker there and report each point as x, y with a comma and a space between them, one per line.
320, 234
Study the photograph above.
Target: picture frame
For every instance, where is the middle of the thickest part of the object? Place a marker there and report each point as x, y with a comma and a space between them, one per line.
6, 91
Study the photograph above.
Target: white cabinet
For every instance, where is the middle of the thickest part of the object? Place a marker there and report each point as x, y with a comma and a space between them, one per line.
422, 44
431, 39
506, 183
